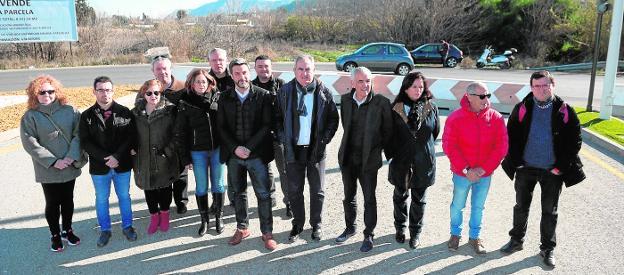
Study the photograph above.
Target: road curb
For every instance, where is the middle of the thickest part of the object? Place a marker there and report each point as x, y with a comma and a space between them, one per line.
603, 143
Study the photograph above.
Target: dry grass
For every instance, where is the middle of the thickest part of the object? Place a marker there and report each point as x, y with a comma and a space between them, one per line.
82, 97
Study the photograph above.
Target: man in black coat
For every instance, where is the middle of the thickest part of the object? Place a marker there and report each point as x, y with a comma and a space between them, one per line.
308, 121
244, 121
172, 90
367, 123
106, 132
266, 80
217, 58
544, 141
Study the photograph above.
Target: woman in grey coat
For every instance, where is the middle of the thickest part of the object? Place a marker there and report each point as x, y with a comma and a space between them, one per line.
155, 159
49, 133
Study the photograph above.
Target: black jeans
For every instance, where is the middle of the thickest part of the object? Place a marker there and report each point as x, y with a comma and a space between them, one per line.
416, 209
368, 181
297, 172
526, 179
278, 150
180, 188
59, 199
237, 179
158, 199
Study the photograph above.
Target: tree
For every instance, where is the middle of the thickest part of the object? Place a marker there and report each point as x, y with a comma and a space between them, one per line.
85, 14
181, 14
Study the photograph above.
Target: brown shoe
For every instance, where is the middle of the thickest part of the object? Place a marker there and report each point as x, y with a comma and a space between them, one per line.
477, 245
239, 235
269, 242
453, 243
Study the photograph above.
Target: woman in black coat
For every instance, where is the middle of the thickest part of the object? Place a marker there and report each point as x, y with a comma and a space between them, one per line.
412, 168
197, 130
155, 158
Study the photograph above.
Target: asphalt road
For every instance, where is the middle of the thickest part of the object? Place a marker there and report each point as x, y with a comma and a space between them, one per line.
573, 87
588, 231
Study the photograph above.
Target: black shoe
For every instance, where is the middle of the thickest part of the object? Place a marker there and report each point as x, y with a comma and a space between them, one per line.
294, 234
399, 237
288, 211
104, 238
316, 233
130, 234
57, 243
181, 208
511, 247
70, 238
549, 257
367, 244
346, 234
414, 242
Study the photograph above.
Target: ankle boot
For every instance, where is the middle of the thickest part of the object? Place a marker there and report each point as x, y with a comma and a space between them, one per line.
164, 221
218, 203
202, 206
153, 225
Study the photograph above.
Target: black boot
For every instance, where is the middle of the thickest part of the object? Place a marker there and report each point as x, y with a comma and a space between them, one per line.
202, 206
211, 210
218, 203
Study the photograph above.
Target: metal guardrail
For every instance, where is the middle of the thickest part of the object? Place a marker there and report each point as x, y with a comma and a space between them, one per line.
576, 67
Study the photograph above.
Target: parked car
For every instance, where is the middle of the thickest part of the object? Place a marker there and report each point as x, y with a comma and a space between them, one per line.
382, 56
430, 53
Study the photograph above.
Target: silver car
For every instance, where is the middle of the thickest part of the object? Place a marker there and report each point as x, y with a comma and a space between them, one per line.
381, 56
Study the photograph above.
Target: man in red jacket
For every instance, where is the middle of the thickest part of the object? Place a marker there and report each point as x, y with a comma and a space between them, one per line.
475, 141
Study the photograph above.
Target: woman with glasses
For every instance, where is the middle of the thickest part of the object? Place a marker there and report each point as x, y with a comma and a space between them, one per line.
49, 134
155, 154
475, 141
412, 169
197, 131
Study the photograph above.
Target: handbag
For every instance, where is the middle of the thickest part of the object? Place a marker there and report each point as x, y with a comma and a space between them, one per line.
84, 157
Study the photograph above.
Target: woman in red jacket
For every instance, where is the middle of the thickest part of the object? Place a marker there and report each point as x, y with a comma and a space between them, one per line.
475, 141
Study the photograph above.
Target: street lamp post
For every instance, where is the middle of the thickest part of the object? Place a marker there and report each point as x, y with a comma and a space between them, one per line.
602, 7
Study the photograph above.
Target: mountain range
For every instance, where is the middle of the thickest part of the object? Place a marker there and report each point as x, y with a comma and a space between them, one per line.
224, 6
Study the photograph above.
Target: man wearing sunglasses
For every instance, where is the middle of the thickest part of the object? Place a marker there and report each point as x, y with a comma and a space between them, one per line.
544, 141
475, 141
172, 90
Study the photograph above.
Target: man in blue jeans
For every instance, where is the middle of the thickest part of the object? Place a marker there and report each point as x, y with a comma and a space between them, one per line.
475, 141
106, 132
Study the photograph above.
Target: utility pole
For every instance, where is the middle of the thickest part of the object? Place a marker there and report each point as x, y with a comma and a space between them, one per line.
606, 104
601, 8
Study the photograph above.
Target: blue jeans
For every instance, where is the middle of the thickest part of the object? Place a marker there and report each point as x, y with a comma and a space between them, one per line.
237, 179
461, 186
102, 184
202, 160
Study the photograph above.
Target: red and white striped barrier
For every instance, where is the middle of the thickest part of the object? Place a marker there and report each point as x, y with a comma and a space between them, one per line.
447, 92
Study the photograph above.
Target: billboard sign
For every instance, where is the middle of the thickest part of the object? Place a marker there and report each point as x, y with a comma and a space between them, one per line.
24, 21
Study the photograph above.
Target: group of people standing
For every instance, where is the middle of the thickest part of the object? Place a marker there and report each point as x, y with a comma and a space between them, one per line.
221, 118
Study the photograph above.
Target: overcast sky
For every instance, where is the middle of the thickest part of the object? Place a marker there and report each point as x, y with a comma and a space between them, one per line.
153, 8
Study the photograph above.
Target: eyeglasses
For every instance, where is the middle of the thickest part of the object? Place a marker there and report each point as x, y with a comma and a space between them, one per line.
104, 90
482, 97
202, 82
156, 93
544, 86
50, 92
161, 56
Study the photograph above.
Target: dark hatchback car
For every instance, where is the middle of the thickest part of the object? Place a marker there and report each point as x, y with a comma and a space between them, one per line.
383, 56
430, 53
